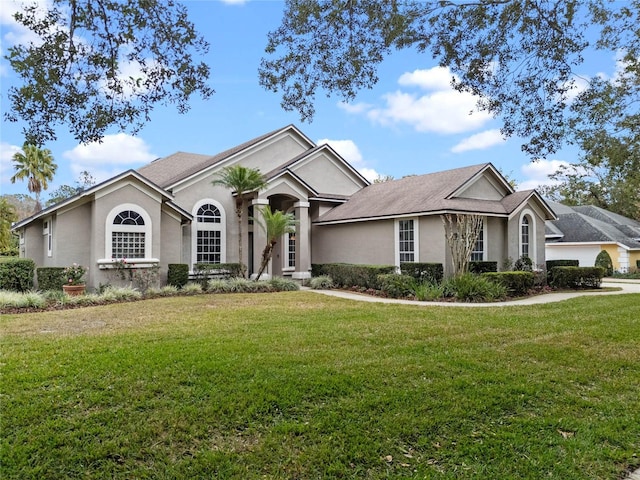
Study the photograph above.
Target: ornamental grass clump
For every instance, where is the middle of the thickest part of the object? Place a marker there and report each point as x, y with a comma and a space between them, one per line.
322, 282
473, 288
9, 299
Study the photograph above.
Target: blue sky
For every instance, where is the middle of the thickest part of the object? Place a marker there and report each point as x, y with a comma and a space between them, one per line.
412, 122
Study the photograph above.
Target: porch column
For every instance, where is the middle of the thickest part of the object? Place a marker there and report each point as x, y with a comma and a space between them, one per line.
259, 236
303, 241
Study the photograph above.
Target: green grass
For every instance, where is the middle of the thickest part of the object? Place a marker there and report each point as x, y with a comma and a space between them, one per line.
300, 385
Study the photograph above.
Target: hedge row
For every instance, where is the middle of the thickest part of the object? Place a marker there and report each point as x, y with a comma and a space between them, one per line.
351, 275
577, 277
478, 267
516, 282
50, 278
17, 274
423, 272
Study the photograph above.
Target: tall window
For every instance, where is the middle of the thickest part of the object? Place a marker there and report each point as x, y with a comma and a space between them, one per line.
477, 255
406, 241
524, 229
291, 250
208, 232
128, 235
208, 242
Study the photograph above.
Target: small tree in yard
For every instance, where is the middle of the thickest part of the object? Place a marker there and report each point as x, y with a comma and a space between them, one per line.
461, 231
241, 180
275, 224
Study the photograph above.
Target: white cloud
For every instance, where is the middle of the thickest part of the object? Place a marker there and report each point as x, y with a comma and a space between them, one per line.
355, 108
115, 154
437, 78
479, 141
441, 110
537, 173
6, 160
348, 150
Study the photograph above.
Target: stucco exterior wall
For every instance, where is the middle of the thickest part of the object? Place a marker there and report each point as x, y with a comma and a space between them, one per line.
200, 190
268, 156
32, 243
124, 193
325, 176
483, 189
360, 243
537, 236
496, 238
73, 237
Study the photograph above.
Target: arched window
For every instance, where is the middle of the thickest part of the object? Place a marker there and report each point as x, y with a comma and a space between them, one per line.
128, 233
208, 233
525, 236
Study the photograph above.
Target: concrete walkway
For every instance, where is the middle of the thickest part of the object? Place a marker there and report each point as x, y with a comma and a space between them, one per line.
621, 286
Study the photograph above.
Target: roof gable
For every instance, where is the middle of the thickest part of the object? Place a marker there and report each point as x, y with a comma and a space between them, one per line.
176, 169
91, 193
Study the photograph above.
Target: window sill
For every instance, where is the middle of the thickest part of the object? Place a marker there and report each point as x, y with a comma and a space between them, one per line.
106, 264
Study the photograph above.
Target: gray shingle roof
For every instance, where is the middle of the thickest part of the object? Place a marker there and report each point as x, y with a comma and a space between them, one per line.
170, 170
421, 194
593, 224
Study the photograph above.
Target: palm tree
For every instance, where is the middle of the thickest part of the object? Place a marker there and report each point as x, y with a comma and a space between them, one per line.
37, 166
241, 180
275, 224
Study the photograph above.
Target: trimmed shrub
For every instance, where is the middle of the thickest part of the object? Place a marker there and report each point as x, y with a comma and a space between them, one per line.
550, 264
396, 285
523, 264
473, 288
351, 275
17, 274
604, 260
423, 272
577, 277
479, 268
178, 274
562, 263
50, 278
516, 283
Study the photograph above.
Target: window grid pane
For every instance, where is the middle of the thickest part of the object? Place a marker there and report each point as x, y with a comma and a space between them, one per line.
292, 250
406, 241
525, 237
209, 214
477, 255
208, 246
127, 244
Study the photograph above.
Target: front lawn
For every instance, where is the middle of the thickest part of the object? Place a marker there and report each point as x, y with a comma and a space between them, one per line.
300, 385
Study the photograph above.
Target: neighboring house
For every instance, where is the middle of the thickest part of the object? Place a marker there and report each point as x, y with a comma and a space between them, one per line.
169, 212
580, 233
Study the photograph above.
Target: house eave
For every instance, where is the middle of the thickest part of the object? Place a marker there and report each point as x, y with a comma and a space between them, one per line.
408, 215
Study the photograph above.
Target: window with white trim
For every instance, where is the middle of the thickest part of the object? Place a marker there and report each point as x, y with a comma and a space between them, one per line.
291, 250
208, 232
477, 255
47, 231
525, 236
406, 241
127, 233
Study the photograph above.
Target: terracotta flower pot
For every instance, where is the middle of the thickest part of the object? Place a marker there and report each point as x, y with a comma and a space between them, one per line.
74, 290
